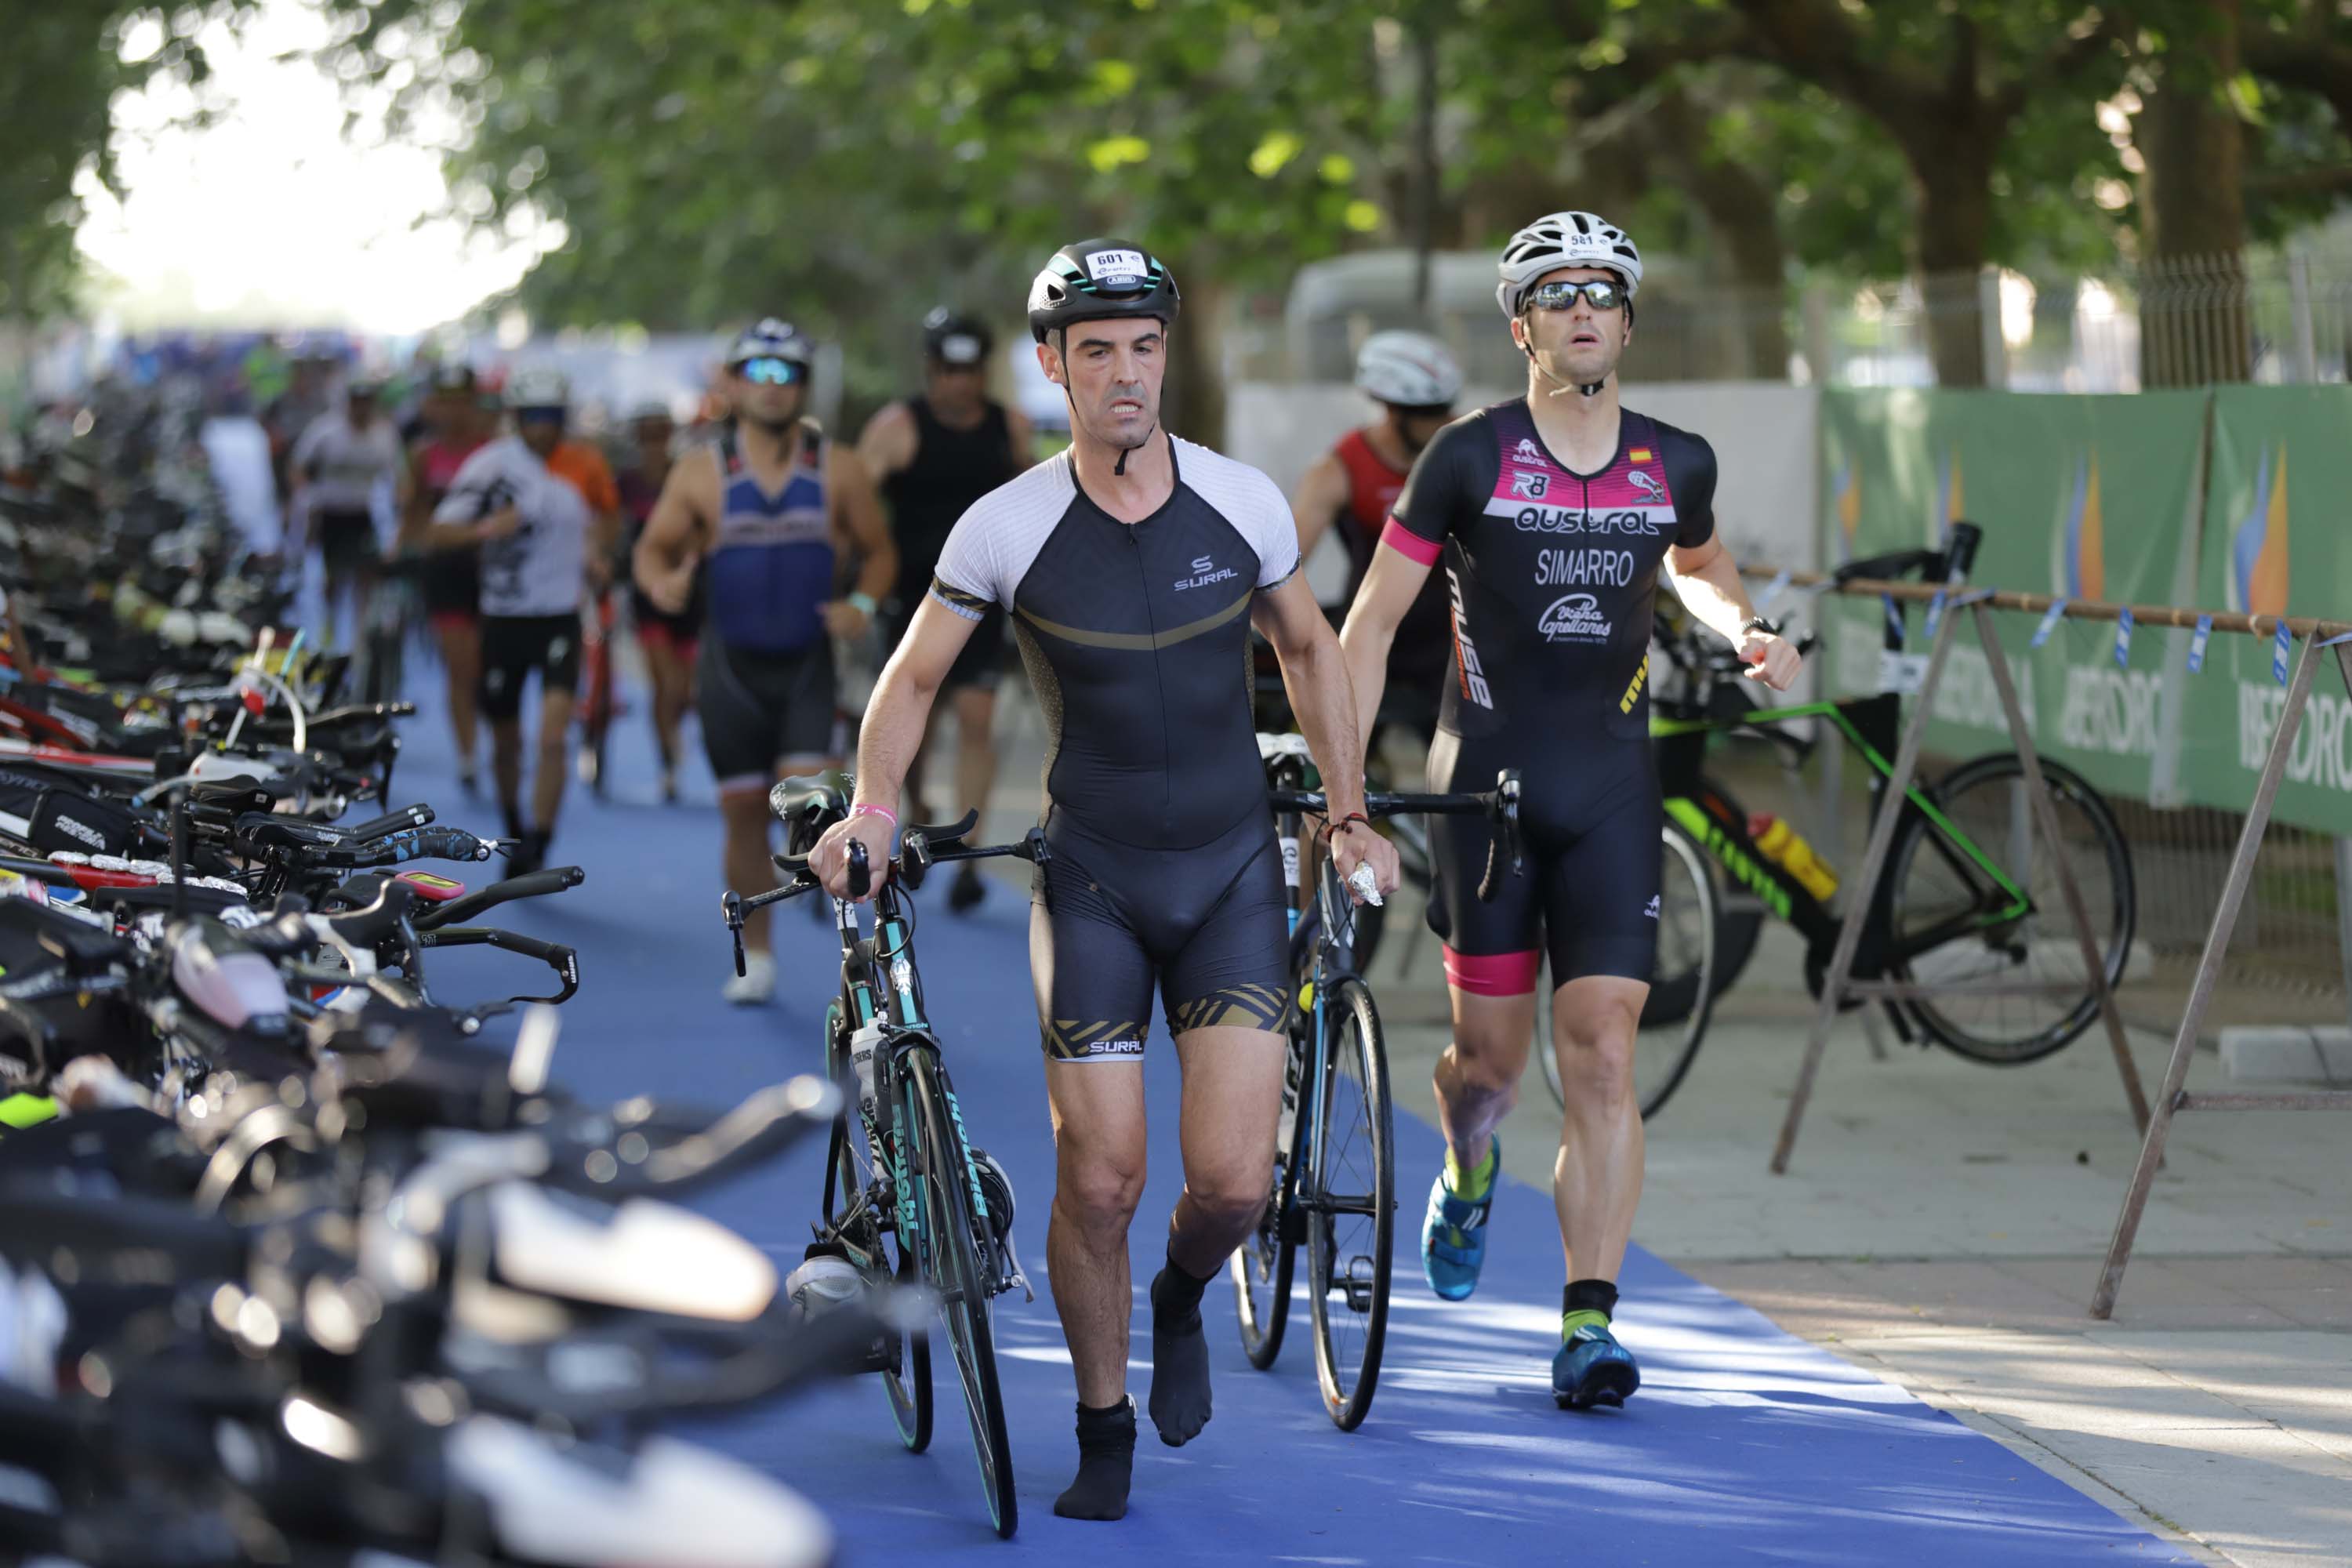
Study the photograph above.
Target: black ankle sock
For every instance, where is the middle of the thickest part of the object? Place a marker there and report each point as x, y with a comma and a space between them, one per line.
1590, 1296
1179, 1356
1106, 1463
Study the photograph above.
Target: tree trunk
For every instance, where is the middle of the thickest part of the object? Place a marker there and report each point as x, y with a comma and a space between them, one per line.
1192, 402
1954, 177
1425, 161
2196, 321
1741, 211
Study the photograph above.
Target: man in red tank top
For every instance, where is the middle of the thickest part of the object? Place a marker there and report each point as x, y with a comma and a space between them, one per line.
1415, 381
450, 575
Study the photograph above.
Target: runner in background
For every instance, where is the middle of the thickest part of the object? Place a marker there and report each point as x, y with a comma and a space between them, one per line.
666, 641
933, 455
343, 456
451, 576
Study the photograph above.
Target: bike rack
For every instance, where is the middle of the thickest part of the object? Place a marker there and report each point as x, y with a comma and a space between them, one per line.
1838, 984
2155, 1125
2316, 634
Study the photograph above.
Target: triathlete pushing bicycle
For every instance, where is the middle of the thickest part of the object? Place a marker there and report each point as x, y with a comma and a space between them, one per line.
1132, 569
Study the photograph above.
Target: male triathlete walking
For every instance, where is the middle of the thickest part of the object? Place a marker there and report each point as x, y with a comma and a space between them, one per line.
1554, 514
933, 455
1131, 568
764, 523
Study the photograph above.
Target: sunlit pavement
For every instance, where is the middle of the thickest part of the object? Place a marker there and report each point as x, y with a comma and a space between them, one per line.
1746, 1443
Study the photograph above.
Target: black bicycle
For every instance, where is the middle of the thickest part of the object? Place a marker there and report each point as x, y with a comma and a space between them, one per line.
1334, 1173
907, 1197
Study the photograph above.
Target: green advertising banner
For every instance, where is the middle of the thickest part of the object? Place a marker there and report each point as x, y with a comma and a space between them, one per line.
2090, 498
2277, 540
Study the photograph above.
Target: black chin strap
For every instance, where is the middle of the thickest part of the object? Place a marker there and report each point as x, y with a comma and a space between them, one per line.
1120, 467
1583, 389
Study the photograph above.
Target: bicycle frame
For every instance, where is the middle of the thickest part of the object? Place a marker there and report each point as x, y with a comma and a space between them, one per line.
1867, 725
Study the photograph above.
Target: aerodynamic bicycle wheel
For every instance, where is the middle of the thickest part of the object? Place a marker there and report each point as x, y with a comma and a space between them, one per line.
1264, 1261
1351, 1206
941, 1168
1936, 886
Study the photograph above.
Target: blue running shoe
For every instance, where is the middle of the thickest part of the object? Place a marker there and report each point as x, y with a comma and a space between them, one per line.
1454, 1236
1591, 1369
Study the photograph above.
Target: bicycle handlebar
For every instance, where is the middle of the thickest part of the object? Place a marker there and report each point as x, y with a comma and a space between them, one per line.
1499, 805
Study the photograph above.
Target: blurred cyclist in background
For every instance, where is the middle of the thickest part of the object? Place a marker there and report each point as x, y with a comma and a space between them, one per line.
545, 512
934, 454
666, 640
1416, 383
776, 510
335, 468
456, 425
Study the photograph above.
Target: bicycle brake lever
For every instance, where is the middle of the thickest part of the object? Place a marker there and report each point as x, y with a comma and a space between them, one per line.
730, 910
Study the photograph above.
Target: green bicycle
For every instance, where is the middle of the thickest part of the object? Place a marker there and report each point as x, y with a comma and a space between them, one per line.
1963, 897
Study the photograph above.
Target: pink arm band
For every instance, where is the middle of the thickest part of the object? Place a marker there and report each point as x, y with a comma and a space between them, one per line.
867, 808
1411, 545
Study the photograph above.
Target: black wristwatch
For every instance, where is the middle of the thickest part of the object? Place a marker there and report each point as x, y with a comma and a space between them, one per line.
1758, 624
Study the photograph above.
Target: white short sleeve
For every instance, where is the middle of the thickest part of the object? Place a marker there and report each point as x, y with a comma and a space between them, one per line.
468, 487
1252, 502
991, 547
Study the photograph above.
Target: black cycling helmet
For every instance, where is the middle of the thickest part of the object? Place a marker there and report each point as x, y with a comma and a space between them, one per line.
1095, 279
770, 337
952, 338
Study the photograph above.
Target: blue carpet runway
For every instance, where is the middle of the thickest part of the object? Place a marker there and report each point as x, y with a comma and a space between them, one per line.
1745, 1445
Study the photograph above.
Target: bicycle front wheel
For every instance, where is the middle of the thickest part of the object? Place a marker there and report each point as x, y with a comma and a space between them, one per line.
906, 1382
1683, 983
1265, 1261
1938, 886
940, 1167
1350, 1205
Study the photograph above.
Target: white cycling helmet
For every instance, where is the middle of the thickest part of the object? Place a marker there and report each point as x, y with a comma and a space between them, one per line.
772, 337
539, 388
1409, 370
1564, 239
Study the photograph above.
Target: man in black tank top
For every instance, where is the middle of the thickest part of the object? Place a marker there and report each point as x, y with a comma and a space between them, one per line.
934, 454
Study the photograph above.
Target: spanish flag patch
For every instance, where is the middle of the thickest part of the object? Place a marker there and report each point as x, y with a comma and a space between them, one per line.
1638, 455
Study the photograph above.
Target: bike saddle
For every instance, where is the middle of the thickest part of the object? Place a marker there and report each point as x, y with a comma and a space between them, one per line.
823, 794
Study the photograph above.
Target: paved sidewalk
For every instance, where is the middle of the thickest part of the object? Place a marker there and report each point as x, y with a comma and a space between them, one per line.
1942, 1225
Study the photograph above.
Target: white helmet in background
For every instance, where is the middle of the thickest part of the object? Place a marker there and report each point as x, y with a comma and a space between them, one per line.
539, 387
1564, 239
1408, 370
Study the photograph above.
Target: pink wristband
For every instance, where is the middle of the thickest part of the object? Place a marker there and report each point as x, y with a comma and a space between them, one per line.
867, 808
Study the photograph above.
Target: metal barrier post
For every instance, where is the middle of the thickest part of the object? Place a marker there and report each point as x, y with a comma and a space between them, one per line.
2172, 1098
2037, 790
1874, 861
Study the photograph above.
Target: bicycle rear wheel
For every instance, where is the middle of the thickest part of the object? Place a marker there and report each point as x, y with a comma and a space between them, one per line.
1351, 1206
1683, 986
940, 1167
1265, 1261
1934, 884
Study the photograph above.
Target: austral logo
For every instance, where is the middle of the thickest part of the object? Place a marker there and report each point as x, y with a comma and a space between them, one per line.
1530, 487
1205, 572
1575, 617
1527, 451
1576, 520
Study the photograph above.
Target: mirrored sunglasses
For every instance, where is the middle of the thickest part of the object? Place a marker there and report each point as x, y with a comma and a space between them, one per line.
770, 372
1559, 294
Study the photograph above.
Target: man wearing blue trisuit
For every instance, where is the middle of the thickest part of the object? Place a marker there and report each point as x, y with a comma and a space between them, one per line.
1131, 569
1554, 514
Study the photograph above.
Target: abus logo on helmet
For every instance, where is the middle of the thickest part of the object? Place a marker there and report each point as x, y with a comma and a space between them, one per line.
1115, 267
1576, 618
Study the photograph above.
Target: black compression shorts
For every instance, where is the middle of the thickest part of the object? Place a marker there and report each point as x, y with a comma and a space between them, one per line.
760, 710
347, 542
1589, 895
514, 646
1107, 919
452, 582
